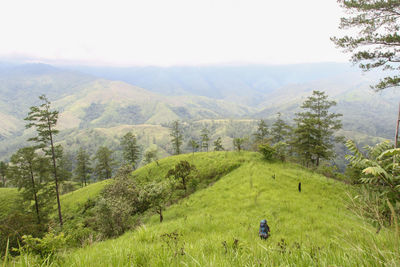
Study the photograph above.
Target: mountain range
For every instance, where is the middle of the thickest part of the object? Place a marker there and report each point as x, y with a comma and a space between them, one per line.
108, 97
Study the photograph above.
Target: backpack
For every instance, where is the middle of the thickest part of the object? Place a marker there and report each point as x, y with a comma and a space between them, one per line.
264, 229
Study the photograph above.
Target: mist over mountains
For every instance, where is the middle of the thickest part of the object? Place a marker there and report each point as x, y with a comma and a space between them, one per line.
93, 97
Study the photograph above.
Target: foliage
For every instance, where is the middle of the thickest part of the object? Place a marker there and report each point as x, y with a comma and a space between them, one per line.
3, 173
177, 137
218, 144
182, 171
281, 150
104, 163
315, 127
15, 225
83, 168
262, 132
44, 120
118, 202
205, 139
267, 151
46, 247
151, 155
238, 143
380, 170
194, 145
156, 195
280, 130
131, 150
376, 44
24, 172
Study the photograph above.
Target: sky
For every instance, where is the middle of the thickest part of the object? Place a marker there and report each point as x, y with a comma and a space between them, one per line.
170, 32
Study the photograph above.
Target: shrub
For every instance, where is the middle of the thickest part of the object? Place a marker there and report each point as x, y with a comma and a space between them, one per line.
267, 151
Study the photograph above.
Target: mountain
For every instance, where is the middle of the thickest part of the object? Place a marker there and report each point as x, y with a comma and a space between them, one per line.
241, 84
156, 96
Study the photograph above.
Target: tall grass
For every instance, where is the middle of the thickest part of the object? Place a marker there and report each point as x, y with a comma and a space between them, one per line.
218, 226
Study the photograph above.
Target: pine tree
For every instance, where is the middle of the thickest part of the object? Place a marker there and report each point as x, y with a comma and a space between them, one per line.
261, 133
105, 163
44, 120
194, 145
205, 138
376, 43
218, 144
23, 173
131, 150
280, 130
83, 169
177, 137
314, 138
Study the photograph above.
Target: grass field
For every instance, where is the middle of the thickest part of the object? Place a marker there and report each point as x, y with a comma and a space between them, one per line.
8, 200
218, 225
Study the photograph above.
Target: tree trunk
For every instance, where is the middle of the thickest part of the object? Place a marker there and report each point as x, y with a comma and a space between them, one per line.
34, 193
161, 216
55, 177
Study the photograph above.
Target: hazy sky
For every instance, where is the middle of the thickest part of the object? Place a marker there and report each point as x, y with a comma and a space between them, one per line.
170, 32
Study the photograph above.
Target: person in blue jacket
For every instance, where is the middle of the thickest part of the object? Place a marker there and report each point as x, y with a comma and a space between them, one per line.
264, 229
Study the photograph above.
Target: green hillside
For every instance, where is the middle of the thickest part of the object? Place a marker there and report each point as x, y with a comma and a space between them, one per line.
218, 226
9, 198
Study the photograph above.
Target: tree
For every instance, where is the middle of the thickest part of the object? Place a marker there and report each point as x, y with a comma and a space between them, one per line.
105, 163
315, 128
23, 174
151, 155
182, 172
118, 201
194, 145
205, 138
44, 120
377, 43
83, 169
3, 172
279, 130
177, 137
262, 132
156, 195
238, 143
131, 149
218, 144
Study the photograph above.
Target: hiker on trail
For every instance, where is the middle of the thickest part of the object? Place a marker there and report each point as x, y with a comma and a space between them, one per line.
264, 229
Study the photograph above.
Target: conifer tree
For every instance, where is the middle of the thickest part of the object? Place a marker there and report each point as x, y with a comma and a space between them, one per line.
279, 130
194, 145
314, 138
177, 137
261, 133
44, 120
375, 41
218, 144
83, 169
105, 163
205, 138
131, 150
23, 173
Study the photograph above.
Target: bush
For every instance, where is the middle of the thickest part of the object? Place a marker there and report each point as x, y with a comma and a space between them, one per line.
45, 247
267, 151
118, 202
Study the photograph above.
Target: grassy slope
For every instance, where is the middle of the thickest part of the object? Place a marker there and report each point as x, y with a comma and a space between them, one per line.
315, 224
8, 199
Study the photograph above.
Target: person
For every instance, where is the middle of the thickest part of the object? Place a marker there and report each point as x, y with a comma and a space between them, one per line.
264, 229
